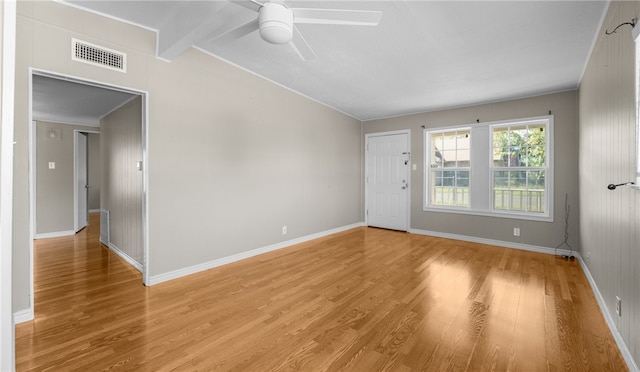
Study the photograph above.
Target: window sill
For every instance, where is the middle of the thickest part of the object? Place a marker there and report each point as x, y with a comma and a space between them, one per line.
515, 216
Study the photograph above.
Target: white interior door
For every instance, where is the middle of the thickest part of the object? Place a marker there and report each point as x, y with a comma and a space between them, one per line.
81, 219
387, 180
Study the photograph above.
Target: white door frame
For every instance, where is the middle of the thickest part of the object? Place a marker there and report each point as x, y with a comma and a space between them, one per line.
145, 173
76, 190
366, 172
8, 64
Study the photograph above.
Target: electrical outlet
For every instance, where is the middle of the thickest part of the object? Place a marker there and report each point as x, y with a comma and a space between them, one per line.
587, 256
516, 231
618, 306
284, 230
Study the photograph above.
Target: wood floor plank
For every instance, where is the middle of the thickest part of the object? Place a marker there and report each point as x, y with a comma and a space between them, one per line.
362, 300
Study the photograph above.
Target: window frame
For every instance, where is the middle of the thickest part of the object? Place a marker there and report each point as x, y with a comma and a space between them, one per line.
528, 168
427, 140
481, 170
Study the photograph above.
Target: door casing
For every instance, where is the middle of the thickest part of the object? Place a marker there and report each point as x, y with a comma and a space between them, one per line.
80, 192
145, 176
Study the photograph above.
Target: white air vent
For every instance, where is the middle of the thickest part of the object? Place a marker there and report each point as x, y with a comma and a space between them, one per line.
105, 226
81, 51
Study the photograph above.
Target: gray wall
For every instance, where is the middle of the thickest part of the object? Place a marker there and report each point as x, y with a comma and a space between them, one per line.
54, 187
121, 149
610, 220
542, 234
236, 157
95, 169
232, 157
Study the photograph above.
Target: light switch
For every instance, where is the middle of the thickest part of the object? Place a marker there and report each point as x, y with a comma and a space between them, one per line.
52, 165
414, 166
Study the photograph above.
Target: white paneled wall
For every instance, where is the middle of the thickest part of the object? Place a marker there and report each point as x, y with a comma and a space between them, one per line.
121, 191
609, 220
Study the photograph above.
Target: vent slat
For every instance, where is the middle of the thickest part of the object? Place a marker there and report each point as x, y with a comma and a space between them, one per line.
81, 51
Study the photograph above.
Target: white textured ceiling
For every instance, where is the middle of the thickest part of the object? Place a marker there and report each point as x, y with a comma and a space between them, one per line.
423, 56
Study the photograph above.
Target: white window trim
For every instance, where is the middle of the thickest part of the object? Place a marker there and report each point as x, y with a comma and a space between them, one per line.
480, 181
636, 37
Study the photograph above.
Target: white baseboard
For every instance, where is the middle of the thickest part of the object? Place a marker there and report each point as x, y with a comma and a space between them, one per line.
155, 279
23, 316
124, 256
624, 349
55, 234
499, 243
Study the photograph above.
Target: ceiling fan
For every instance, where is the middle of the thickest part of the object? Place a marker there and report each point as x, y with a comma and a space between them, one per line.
276, 23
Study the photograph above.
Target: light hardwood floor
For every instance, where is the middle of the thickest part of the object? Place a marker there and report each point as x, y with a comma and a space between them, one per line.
362, 300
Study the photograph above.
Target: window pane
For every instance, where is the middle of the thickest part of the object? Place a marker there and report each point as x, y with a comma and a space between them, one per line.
437, 177
500, 156
536, 201
462, 179
536, 179
449, 141
449, 158
536, 156
463, 148
519, 191
501, 179
501, 199
450, 188
519, 146
514, 157
436, 159
436, 155
518, 135
450, 149
501, 190
500, 137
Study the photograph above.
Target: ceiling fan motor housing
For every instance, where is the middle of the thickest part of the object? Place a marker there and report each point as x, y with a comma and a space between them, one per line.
276, 23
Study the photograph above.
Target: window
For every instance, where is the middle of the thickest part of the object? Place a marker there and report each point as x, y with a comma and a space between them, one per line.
519, 167
495, 169
449, 167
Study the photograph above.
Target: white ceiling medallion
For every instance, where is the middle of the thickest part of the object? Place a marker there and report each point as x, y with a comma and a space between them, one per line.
82, 51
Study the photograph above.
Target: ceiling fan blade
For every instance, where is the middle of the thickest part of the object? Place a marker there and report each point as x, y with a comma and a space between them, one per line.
249, 4
300, 45
238, 32
336, 16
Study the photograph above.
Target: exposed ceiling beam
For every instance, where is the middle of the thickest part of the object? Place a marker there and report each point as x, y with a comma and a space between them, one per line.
193, 21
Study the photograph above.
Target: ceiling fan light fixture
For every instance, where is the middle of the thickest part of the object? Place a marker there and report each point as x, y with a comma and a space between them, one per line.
276, 23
